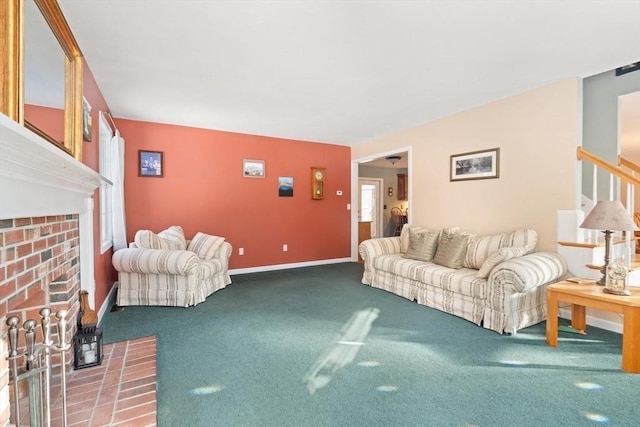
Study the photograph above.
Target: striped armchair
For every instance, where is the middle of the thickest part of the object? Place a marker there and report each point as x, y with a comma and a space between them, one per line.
167, 270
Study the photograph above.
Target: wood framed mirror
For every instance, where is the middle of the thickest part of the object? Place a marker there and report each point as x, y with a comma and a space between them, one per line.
42, 72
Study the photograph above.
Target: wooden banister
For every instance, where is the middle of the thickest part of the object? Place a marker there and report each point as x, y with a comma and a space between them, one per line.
614, 170
622, 161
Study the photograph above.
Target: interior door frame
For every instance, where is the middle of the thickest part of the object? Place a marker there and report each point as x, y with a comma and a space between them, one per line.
353, 206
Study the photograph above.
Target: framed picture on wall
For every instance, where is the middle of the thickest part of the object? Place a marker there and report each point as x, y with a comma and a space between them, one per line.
253, 168
150, 163
86, 120
285, 186
482, 164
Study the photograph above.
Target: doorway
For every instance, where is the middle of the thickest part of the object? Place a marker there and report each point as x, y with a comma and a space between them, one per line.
381, 171
370, 204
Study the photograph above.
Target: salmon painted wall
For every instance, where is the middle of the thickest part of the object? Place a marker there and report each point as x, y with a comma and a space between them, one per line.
203, 189
104, 272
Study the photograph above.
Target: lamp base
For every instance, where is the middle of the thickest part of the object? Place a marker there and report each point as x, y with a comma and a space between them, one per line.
623, 292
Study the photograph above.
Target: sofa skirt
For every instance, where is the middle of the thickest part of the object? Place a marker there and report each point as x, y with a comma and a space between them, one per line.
471, 309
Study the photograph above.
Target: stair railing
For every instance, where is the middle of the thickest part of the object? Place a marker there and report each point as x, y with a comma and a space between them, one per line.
635, 171
632, 180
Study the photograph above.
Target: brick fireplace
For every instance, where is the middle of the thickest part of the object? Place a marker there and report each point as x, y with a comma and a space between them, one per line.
46, 236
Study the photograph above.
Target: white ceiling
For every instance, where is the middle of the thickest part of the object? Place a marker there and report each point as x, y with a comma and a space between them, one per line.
338, 72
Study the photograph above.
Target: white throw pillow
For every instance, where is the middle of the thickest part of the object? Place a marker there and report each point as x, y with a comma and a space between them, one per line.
502, 255
205, 245
404, 239
171, 238
174, 235
482, 247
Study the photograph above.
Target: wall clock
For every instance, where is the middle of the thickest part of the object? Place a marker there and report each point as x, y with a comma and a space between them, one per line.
317, 183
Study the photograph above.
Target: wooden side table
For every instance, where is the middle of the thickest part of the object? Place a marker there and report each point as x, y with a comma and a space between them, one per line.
589, 294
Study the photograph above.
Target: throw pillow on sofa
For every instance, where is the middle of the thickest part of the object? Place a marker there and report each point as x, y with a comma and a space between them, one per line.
171, 238
452, 248
422, 243
404, 238
482, 247
503, 254
205, 245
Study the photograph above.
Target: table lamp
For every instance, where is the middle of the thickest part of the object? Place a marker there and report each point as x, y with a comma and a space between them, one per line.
608, 216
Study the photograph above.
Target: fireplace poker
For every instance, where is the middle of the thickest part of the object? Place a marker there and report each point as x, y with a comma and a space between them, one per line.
12, 323
46, 340
63, 347
34, 389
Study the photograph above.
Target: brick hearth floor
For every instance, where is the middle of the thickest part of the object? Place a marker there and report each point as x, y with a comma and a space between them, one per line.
121, 391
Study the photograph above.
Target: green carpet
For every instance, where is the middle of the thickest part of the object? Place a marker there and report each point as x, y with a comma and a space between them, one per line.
315, 347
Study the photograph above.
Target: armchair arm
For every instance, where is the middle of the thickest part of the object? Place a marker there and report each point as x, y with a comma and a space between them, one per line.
155, 261
223, 253
519, 275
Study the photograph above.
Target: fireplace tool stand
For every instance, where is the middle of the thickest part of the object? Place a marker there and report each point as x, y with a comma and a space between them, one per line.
37, 367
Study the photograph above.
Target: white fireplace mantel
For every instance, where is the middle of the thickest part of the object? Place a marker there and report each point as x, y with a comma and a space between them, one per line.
39, 179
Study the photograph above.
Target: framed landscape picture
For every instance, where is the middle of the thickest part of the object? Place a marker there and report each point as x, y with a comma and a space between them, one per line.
482, 164
285, 186
150, 163
253, 168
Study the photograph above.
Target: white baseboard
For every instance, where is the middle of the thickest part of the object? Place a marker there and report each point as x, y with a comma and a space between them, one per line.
288, 266
106, 304
595, 321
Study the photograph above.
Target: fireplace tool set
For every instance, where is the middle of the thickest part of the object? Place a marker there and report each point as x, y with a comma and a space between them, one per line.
37, 367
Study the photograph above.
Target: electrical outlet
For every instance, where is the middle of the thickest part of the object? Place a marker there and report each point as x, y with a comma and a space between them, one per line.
285, 248
241, 251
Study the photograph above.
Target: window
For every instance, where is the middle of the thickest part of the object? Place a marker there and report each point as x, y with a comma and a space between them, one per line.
106, 197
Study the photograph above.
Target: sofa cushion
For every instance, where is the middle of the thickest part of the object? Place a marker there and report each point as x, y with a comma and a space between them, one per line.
397, 264
503, 254
482, 247
171, 238
205, 245
422, 243
461, 281
452, 247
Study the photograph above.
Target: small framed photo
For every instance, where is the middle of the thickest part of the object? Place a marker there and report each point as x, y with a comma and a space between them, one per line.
150, 163
86, 120
285, 186
253, 168
484, 164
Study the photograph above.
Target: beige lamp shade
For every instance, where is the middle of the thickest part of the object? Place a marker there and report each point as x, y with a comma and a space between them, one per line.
609, 215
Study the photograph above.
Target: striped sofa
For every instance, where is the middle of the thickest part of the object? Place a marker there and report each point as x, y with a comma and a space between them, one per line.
500, 282
166, 269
